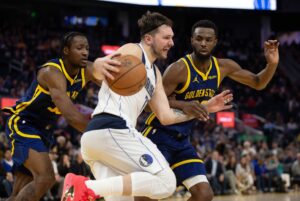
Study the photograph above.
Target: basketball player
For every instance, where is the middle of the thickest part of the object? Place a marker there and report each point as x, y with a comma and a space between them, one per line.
195, 78
29, 128
124, 162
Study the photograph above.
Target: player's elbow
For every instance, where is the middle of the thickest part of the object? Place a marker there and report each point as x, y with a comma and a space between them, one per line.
260, 87
258, 84
164, 119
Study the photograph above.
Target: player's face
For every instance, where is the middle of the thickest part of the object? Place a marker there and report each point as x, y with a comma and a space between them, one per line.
79, 51
162, 41
203, 42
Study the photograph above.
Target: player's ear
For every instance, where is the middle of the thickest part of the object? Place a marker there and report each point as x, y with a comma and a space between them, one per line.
66, 50
148, 39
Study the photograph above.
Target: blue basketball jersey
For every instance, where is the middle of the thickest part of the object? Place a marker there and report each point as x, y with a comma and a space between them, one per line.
37, 106
198, 86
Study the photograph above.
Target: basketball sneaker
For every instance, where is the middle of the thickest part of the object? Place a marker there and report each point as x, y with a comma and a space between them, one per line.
76, 190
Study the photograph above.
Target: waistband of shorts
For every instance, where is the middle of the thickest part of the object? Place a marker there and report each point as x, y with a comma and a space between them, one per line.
172, 133
40, 125
105, 121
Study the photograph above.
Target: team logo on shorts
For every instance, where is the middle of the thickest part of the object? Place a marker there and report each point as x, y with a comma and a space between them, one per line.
146, 160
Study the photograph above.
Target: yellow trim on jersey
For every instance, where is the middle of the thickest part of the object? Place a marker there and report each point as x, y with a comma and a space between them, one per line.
185, 162
53, 65
147, 131
42, 89
21, 133
9, 108
65, 72
188, 80
204, 76
218, 70
83, 77
150, 118
23, 105
10, 135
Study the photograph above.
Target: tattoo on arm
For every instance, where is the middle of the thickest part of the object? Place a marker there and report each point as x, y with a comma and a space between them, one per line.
181, 116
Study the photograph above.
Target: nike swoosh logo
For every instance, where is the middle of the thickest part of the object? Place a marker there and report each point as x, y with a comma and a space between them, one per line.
69, 194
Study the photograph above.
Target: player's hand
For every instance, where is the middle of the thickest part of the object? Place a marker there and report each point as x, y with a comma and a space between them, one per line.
271, 52
105, 67
220, 102
194, 108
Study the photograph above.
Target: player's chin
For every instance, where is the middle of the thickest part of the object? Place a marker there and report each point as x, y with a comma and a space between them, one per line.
163, 55
204, 55
83, 64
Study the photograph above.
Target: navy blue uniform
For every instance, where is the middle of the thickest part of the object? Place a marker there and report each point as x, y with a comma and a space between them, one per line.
34, 116
173, 140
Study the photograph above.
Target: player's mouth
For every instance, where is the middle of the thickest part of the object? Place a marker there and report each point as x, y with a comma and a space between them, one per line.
166, 50
203, 51
84, 62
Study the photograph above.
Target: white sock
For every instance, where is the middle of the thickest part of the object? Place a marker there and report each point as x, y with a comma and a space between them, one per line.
106, 187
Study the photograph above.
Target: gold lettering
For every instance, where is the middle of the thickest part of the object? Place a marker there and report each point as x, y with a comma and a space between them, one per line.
74, 95
54, 110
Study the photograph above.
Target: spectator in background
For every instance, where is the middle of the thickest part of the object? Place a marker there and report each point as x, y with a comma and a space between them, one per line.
7, 161
79, 166
274, 177
230, 173
260, 174
215, 173
296, 171
64, 165
244, 175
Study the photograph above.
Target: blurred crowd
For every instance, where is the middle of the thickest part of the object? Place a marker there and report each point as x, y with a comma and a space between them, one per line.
237, 160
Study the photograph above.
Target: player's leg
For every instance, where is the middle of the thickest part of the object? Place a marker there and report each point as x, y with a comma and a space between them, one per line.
39, 164
101, 171
141, 163
199, 188
190, 170
20, 180
23, 140
163, 143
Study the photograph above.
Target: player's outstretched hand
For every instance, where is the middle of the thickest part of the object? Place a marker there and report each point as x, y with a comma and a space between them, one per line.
194, 108
220, 102
271, 52
105, 66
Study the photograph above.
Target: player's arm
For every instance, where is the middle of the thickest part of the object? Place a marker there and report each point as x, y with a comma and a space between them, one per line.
175, 75
159, 104
54, 81
257, 81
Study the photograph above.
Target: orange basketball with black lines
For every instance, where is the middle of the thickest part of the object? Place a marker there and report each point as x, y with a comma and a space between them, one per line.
131, 77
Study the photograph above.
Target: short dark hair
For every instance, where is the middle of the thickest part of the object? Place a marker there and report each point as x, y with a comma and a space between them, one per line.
152, 20
205, 24
68, 37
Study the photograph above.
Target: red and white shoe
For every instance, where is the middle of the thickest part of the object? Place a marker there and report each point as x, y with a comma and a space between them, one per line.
76, 190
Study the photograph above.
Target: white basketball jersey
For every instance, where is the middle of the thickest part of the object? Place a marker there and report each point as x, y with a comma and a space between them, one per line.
127, 107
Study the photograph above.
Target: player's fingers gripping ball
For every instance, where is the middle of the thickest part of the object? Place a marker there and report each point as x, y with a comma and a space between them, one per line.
131, 78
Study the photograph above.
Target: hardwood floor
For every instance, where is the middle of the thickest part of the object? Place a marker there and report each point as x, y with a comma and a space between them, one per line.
295, 196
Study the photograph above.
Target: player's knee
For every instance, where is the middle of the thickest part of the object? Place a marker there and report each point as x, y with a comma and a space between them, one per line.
86, 140
168, 183
202, 192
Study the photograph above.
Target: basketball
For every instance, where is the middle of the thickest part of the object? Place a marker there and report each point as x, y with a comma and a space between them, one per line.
131, 78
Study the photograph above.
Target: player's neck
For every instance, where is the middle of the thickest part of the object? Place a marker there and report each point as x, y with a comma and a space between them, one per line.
201, 63
71, 69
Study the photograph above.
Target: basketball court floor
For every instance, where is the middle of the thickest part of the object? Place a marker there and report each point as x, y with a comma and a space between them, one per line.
256, 197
